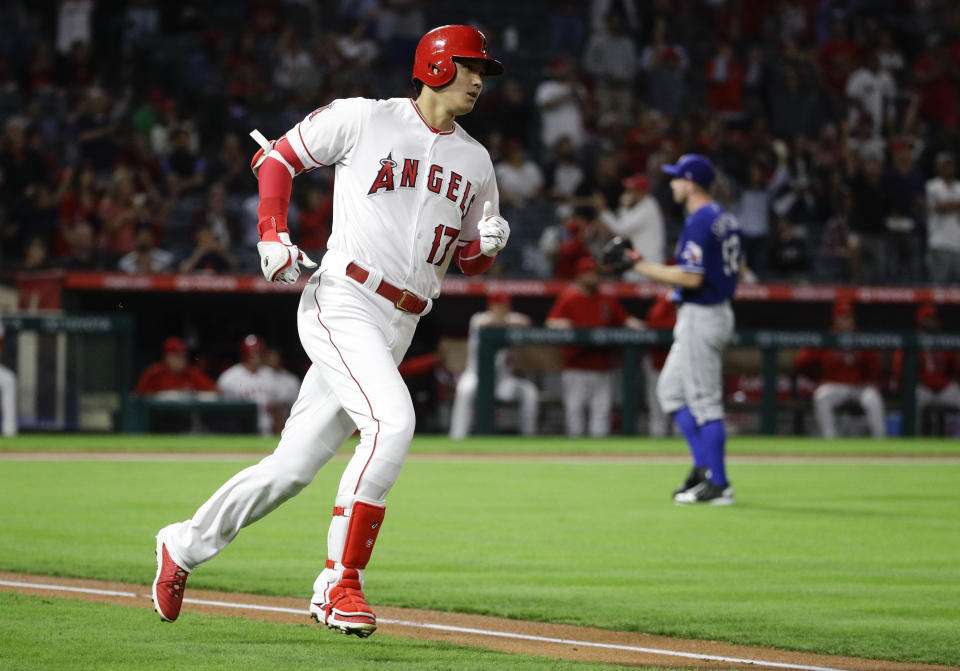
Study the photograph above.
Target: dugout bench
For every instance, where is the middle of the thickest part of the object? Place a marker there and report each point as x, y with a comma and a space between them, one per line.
144, 413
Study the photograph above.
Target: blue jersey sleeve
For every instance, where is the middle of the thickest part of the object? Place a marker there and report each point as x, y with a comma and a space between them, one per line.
692, 245
710, 245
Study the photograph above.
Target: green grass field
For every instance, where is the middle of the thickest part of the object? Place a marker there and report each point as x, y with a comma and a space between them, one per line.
831, 557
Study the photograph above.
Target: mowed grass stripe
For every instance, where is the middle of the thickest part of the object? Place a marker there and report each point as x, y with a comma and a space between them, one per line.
504, 444
838, 559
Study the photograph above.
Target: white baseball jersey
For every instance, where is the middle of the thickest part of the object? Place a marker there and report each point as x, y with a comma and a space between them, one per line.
417, 191
240, 383
478, 321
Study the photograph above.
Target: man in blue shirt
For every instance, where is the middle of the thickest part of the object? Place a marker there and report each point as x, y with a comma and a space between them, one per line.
705, 278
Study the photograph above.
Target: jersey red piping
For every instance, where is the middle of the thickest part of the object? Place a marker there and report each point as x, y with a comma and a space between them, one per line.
376, 435
427, 123
305, 148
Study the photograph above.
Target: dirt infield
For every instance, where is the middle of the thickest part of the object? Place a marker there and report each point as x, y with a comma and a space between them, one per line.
529, 638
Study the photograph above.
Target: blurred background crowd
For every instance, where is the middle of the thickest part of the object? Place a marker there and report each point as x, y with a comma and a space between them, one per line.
834, 124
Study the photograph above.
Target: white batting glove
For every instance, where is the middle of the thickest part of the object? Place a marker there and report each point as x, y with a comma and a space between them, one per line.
280, 261
494, 231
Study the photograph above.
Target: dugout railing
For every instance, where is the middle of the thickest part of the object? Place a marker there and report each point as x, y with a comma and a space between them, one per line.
633, 342
73, 371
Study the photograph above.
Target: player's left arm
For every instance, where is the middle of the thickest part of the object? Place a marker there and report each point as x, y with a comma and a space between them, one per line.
673, 275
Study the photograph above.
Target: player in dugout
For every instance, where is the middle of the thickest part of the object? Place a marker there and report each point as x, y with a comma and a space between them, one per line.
174, 373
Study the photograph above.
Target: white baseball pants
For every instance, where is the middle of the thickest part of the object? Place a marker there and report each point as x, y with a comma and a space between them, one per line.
355, 339
507, 389
949, 395
8, 401
829, 395
587, 392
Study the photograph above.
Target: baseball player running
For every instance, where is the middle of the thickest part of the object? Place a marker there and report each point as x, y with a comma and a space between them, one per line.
413, 193
709, 262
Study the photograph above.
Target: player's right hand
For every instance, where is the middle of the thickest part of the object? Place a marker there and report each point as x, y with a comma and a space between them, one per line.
494, 231
280, 261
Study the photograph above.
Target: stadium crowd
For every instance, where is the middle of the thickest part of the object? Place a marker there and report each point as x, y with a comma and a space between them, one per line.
834, 125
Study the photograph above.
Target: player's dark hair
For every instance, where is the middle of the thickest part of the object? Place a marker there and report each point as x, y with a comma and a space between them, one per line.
417, 87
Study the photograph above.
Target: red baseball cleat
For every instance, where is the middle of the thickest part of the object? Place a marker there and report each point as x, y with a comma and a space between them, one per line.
346, 608
169, 584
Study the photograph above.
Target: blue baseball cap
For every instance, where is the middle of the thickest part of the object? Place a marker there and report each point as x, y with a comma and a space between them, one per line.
694, 167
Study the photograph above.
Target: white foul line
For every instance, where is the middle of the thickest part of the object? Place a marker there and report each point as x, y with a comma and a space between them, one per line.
445, 627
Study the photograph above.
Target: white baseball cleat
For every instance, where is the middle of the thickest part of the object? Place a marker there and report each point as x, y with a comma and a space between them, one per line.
707, 492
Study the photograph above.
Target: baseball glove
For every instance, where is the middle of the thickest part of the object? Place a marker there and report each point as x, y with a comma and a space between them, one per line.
618, 255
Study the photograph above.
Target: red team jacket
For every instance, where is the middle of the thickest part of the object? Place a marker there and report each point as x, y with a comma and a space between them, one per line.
844, 366
661, 315
158, 377
588, 311
938, 368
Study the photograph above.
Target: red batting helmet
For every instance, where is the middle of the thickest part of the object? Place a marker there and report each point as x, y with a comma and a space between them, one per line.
251, 346
433, 64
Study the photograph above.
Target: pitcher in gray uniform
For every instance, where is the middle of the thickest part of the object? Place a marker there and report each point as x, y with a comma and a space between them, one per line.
709, 261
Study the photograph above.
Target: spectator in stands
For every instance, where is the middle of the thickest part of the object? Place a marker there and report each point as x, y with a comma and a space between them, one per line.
208, 255
230, 168
790, 254
938, 382
903, 188
753, 212
512, 114
837, 58
184, 167
121, 210
216, 212
665, 64
662, 315
36, 256
588, 372
286, 388
638, 219
565, 175
96, 128
838, 246
174, 375
295, 70
943, 222
84, 253
8, 394
251, 380
846, 376
508, 387
561, 100
574, 248
936, 73
725, 78
316, 220
871, 92
610, 58
147, 257
867, 222
22, 169
518, 178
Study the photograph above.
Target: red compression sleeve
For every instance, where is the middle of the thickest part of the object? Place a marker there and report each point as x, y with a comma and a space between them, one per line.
471, 260
275, 185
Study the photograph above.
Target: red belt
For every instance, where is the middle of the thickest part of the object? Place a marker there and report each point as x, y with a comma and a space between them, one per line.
403, 299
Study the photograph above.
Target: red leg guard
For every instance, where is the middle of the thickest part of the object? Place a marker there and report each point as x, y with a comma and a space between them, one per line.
365, 522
